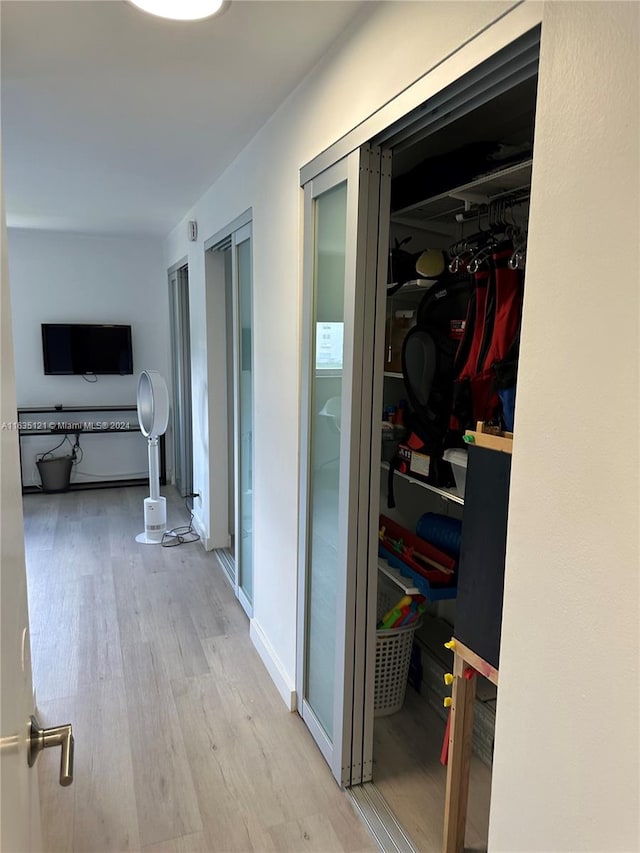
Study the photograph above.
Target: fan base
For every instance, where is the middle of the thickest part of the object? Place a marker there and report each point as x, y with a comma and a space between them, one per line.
155, 521
145, 539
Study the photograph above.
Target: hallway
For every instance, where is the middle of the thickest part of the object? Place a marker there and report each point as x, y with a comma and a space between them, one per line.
183, 744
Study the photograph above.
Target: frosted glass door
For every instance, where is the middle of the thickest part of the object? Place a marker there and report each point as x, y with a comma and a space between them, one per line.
230, 313
324, 435
245, 413
340, 215
236, 265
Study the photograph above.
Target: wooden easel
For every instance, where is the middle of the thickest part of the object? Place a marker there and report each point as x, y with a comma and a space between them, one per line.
490, 437
464, 692
460, 732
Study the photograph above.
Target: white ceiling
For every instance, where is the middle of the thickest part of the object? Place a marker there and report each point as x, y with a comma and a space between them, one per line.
114, 121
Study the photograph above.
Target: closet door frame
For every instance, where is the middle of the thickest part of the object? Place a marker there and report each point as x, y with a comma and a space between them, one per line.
507, 28
375, 306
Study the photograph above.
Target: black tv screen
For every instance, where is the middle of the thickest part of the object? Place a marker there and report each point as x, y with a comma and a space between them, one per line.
78, 348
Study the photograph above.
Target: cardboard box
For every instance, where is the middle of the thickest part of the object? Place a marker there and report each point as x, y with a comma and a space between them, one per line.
398, 325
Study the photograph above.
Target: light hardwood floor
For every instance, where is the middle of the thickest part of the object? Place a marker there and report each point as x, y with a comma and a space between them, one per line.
183, 744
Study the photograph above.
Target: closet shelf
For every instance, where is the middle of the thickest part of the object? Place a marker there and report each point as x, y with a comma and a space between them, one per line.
486, 188
447, 494
416, 285
406, 584
432, 592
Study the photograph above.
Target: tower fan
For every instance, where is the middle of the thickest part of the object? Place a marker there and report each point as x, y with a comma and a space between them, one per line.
153, 417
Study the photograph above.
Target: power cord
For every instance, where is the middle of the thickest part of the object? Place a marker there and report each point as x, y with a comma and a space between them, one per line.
185, 534
76, 451
41, 456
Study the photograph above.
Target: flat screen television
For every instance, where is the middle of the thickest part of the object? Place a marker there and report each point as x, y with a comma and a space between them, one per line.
79, 348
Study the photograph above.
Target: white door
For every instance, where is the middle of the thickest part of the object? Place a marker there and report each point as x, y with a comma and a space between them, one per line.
341, 209
19, 801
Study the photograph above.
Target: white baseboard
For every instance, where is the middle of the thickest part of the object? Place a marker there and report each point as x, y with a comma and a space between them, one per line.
200, 529
274, 667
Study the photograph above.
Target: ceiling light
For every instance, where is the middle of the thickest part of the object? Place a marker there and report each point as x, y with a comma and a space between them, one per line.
180, 10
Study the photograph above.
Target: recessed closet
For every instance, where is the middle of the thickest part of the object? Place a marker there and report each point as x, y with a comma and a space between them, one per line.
463, 208
440, 197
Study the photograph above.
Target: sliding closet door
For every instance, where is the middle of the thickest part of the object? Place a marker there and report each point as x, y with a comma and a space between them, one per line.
234, 278
340, 235
243, 392
181, 375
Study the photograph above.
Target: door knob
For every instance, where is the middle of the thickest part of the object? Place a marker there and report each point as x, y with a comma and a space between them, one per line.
61, 736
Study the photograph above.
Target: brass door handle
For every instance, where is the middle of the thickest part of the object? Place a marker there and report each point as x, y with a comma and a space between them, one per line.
61, 736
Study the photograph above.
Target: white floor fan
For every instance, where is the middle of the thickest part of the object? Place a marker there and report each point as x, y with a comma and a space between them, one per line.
153, 417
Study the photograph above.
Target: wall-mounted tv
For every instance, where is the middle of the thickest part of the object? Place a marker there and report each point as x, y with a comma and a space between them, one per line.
79, 348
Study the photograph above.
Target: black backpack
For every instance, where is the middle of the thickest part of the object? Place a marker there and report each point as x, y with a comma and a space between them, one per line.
429, 355
428, 360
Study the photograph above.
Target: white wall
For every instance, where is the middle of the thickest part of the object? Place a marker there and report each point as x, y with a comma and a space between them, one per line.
565, 773
566, 742
76, 278
388, 48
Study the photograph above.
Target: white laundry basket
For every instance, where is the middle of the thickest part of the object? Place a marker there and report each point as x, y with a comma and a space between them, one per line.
393, 657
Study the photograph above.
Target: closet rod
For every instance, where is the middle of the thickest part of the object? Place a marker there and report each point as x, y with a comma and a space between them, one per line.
484, 207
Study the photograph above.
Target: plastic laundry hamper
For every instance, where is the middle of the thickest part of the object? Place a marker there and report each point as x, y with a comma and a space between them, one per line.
393, 656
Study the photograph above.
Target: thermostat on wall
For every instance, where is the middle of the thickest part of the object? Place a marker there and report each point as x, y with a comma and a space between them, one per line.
192, 230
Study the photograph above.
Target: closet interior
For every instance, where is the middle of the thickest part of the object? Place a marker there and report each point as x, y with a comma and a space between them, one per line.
458, 221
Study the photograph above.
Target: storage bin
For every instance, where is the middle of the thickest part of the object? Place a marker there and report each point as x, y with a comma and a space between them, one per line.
457, 458
393, 656
55, 473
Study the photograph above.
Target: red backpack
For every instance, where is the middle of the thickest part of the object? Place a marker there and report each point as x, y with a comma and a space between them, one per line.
486, 362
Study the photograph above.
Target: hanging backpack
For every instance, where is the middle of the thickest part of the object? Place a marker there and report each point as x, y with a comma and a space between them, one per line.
428, 360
